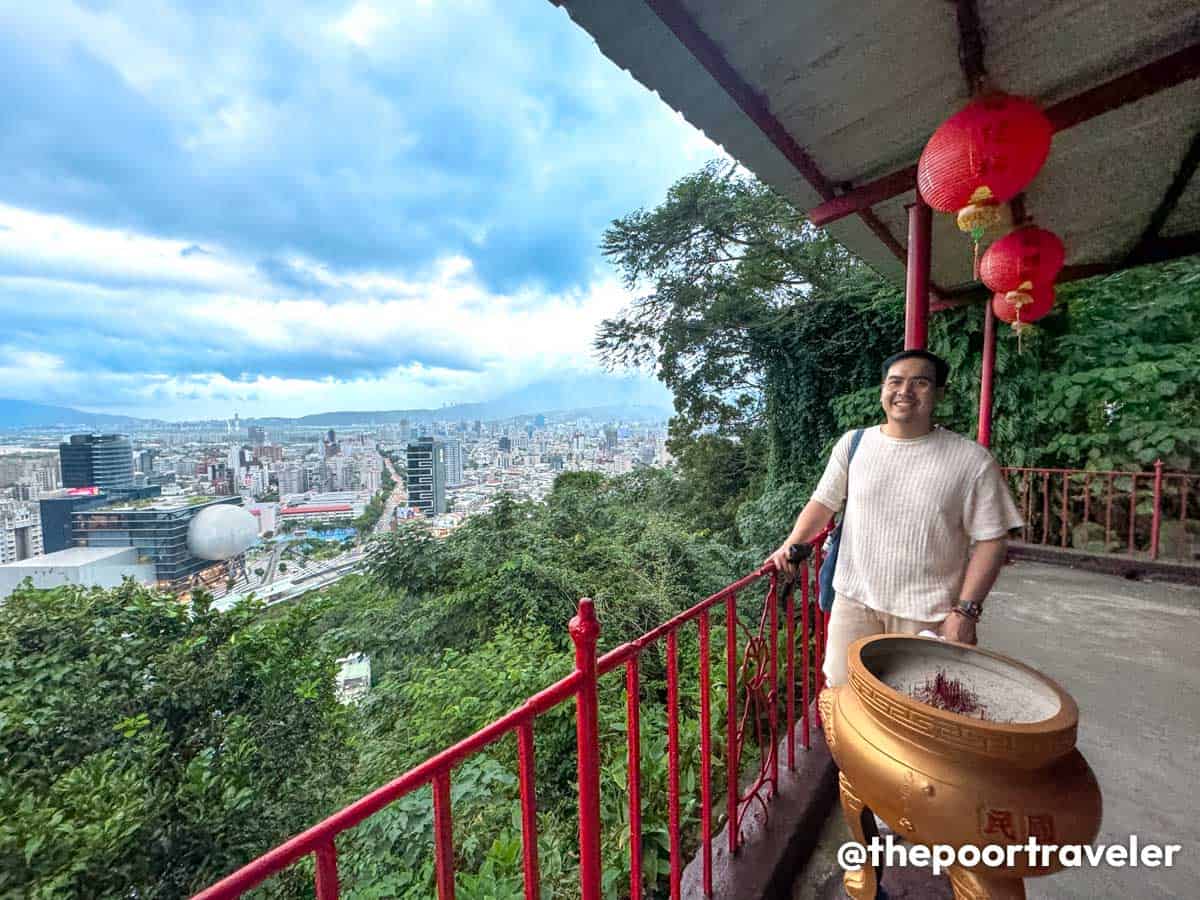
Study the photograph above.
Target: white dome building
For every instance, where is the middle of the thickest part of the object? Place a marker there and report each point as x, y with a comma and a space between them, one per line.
221, 532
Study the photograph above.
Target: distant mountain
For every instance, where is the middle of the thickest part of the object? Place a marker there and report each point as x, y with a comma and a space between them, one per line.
598, 396
23, 414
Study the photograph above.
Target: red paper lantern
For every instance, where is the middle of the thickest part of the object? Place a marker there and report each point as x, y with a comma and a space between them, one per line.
1022, 308
983, 156
1022, 258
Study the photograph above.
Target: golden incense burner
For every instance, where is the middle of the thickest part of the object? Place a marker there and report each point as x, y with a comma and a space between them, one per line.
999, 771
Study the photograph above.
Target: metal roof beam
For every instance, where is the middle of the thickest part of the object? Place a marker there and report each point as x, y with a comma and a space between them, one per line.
1160, 75
1166, 206
970, 44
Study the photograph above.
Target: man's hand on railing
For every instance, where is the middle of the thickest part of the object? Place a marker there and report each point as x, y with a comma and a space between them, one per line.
788, 557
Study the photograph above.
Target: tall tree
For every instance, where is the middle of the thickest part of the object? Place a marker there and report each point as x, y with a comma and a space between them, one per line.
754, 319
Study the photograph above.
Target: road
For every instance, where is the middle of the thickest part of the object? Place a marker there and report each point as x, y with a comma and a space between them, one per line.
269, 573
304, 579
398, 496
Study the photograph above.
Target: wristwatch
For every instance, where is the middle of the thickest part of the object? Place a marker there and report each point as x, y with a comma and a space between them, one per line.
971, 609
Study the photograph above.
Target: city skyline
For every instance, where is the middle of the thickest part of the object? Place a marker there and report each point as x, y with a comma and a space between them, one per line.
331, 219
618, 395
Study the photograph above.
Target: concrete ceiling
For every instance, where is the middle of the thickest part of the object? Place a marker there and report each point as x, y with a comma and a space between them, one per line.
857, 86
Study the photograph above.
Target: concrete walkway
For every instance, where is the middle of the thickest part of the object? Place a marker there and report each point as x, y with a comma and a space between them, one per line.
1129, 653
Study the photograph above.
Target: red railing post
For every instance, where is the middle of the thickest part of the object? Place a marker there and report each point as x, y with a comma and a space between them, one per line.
773, 693
1045, 507
1027, 490
673, 834
731, 732
529, 847
790, 674
705, 756
443, 836
1108, 512
1132, 510
1087, 499
1065, 506
634, 733
585, 631
327, 873
805, 611
1157, 521
1184, 483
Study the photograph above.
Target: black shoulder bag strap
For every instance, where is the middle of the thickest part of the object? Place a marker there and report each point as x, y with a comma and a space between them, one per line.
829, 563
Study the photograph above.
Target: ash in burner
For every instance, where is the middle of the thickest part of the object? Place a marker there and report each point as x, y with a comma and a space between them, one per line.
950, 694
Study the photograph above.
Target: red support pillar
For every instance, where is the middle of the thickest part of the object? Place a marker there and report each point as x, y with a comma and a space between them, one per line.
585, 631
985, 379
916, 309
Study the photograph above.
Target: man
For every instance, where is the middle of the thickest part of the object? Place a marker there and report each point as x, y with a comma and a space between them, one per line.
918, 497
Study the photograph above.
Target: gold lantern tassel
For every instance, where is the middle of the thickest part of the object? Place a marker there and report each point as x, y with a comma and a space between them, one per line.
1020, 298
977, 217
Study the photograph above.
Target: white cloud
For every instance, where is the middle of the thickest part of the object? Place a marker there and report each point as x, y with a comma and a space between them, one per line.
36, 243
361, 24
347, 204
453, 338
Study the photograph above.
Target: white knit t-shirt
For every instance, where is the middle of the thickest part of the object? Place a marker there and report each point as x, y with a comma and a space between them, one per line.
915, 505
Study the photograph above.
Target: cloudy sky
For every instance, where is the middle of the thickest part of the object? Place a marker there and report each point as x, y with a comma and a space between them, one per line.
312, 205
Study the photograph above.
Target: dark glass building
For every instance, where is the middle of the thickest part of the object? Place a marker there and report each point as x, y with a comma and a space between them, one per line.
57, 510
427, 476
159, 531
97, 460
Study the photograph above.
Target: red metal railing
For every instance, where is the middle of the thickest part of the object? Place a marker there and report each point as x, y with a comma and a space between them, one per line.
753, 708
1131, 506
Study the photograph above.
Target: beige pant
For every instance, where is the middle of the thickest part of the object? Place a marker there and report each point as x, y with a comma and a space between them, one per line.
849, 620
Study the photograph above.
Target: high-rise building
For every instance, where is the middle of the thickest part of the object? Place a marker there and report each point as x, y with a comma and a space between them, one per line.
20, 530
427, 476
257, 435
342, 474
454, 463
234, 465
97, 460
504, 444
610, 438
293, 479
143, 461
370, 479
